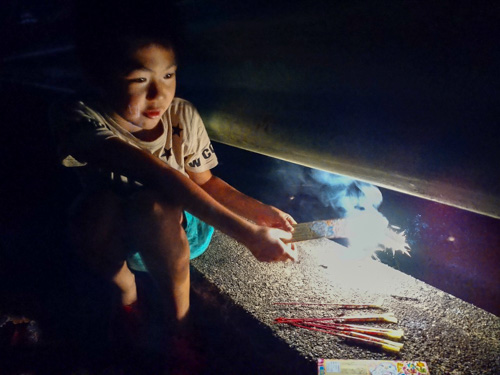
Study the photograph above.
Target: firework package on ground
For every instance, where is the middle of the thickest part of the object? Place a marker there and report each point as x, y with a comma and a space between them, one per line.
371, 367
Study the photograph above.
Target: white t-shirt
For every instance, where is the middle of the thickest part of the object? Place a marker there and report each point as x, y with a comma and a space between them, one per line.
183, 145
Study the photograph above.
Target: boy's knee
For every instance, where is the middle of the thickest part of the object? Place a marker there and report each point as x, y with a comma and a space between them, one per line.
157, 230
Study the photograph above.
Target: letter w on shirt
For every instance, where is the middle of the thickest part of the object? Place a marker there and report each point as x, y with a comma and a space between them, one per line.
206, 153
195, 163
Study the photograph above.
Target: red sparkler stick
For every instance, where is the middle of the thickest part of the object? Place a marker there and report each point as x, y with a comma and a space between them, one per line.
386, 345
351, 328
339, 305
374, 331
347, 319
338, 327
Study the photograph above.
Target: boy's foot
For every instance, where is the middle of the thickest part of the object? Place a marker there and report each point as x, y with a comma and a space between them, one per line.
15, 331
129, 324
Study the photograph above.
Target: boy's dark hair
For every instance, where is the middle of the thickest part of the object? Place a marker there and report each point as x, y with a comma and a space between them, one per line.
107, 31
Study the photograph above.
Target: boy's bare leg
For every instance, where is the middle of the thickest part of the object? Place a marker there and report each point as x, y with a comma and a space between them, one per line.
96, 230
102, 225
124, 279
158, 234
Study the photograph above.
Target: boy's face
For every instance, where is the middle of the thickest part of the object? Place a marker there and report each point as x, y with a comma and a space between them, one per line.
143, 94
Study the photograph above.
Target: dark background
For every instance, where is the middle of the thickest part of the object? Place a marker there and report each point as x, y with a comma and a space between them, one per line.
401, 73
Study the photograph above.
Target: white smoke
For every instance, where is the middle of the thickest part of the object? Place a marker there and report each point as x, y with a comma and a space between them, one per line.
322, 195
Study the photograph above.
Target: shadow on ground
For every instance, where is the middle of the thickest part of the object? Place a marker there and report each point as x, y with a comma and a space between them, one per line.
75, 317
74, 312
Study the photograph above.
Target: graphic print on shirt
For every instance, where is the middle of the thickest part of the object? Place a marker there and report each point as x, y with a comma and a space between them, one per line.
206, 153
176, 130
167, 153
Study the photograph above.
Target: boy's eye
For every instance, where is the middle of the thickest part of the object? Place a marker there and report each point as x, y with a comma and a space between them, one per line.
169, 75
136, 80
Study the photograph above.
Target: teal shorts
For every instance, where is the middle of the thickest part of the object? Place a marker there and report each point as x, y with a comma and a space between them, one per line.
198, 234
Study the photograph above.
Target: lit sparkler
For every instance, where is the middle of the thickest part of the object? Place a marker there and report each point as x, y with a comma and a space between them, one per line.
364, 231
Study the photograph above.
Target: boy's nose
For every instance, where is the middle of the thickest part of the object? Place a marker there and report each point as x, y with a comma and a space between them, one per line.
154, 91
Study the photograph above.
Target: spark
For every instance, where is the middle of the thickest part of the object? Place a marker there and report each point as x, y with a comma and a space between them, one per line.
369, 231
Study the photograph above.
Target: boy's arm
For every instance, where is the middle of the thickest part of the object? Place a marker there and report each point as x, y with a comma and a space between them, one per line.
116, 155
242, 204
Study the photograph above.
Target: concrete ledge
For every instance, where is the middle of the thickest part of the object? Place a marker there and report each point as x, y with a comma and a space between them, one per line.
452, 336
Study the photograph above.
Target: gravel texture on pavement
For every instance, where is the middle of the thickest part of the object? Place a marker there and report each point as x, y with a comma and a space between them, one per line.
452, 336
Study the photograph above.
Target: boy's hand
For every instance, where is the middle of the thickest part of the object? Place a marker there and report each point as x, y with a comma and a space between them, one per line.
267, 246
270, 216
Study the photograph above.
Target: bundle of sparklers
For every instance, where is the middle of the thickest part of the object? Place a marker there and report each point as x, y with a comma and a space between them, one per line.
342, 327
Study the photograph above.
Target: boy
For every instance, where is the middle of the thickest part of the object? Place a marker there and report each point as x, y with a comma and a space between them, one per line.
144, 159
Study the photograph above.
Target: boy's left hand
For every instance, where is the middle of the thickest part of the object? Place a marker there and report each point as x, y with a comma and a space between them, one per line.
270, 216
